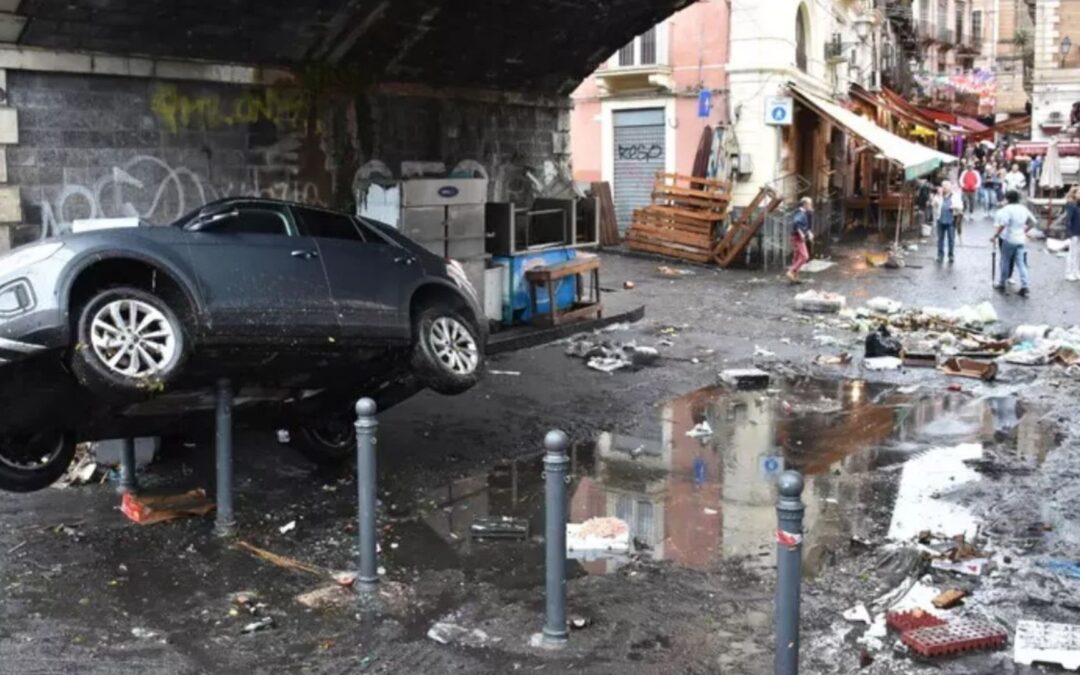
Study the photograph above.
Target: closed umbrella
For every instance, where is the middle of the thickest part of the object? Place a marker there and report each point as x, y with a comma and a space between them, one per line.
1051, 178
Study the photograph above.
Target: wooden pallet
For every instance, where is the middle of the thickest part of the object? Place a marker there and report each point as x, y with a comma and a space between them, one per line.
682, 217
743, 231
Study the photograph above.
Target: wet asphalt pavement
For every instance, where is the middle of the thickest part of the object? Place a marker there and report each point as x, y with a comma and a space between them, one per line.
85, 590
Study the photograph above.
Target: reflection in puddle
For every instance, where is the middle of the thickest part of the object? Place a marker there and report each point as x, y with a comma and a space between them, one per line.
876, 460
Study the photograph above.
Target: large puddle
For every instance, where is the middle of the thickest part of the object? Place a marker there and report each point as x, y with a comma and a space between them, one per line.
879, 464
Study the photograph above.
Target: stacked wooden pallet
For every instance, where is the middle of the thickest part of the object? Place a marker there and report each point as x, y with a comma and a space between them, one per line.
682, 217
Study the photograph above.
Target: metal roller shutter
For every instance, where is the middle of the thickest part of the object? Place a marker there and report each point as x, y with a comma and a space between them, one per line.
639, 153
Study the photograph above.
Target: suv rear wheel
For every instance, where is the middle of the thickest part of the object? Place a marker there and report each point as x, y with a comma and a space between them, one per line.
328, 441
129, 342
447, 355
34, 461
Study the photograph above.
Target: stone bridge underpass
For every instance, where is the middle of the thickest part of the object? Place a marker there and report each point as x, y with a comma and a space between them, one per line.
150, 108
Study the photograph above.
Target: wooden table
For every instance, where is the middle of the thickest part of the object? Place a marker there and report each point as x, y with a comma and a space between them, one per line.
548, 276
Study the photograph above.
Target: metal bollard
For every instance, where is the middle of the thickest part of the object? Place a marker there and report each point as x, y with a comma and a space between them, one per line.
555, 466
366, 426
789, 512
225, 523
129, 482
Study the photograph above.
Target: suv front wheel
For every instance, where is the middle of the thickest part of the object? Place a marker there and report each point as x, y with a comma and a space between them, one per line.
447, 354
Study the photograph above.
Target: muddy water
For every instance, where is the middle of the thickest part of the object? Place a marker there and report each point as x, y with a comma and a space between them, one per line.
879, 463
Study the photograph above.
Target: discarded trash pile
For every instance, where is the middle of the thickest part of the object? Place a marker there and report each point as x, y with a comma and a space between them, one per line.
926, 611
607, 356
961, 342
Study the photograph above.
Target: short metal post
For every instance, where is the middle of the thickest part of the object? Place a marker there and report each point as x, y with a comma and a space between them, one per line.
129, 482
789, 512
225, 525
555, 466
366, 427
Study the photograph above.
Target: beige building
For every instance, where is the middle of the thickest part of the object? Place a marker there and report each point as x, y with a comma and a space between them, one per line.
1005, 30
1056, 76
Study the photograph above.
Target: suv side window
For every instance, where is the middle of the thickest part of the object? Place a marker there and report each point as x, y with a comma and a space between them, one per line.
251, 220
329, 225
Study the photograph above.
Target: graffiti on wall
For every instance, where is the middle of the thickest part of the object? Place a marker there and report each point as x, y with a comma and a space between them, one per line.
641, 152
285, 107
149, 187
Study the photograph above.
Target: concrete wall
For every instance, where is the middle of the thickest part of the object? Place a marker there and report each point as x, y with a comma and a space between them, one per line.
103, 146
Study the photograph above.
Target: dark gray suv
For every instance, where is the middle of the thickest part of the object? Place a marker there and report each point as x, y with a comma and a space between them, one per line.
120, 332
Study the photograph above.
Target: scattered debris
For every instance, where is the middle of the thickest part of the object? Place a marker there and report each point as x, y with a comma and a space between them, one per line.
287, 527
261, 624
507, 373
820, 302
912, 619
143, 633
746, 378
977, 370
975, 567
611, 535
152, 509
955, 637
859, 614
761, 352
447, 632
579, 622
81, 470
1043, 642
883, 363
950, 598
673, 272
280, 560
838, 360
500, 527
609, 356
882, 343
1067, 568
629, 285
817, 265
884, 305
333, 595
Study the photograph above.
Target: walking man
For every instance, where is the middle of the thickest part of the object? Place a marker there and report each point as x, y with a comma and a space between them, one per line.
802, 234
1013, 222
947, 211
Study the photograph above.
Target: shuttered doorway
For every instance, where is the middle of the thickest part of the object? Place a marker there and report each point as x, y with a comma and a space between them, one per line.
639, 153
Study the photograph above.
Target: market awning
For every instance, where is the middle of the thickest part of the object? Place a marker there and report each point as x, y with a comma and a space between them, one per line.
916, 160
971, 124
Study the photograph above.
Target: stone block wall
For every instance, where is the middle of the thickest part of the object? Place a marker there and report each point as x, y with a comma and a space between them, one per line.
93, 146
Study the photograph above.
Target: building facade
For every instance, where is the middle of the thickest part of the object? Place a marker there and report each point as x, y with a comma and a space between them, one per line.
1005, 31
1056, 73
644, 110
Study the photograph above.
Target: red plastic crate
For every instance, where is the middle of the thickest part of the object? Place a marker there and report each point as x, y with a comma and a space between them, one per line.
902, 622
955, 637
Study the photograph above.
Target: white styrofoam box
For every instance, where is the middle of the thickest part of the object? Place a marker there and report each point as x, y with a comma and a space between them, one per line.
494, 281
1038, 641
109, 452
94, 224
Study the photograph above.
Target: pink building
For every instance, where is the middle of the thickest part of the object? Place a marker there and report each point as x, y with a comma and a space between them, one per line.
641, 111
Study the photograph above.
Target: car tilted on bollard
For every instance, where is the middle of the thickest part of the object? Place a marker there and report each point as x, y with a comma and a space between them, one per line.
123, 332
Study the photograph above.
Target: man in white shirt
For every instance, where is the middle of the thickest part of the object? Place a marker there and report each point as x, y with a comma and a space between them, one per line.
1015, 179
1013, 222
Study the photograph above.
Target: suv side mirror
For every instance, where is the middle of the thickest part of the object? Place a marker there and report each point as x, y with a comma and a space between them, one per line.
205, 222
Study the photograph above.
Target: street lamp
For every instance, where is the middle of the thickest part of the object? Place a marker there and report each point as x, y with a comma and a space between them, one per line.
1066, 47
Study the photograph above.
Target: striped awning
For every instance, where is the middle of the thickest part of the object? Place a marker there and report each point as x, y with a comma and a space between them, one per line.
916, 160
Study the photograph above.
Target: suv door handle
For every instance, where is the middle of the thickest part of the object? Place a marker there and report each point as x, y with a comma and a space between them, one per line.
404, 260
306, 255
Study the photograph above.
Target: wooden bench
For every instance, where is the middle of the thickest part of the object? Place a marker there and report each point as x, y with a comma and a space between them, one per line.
549, 275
